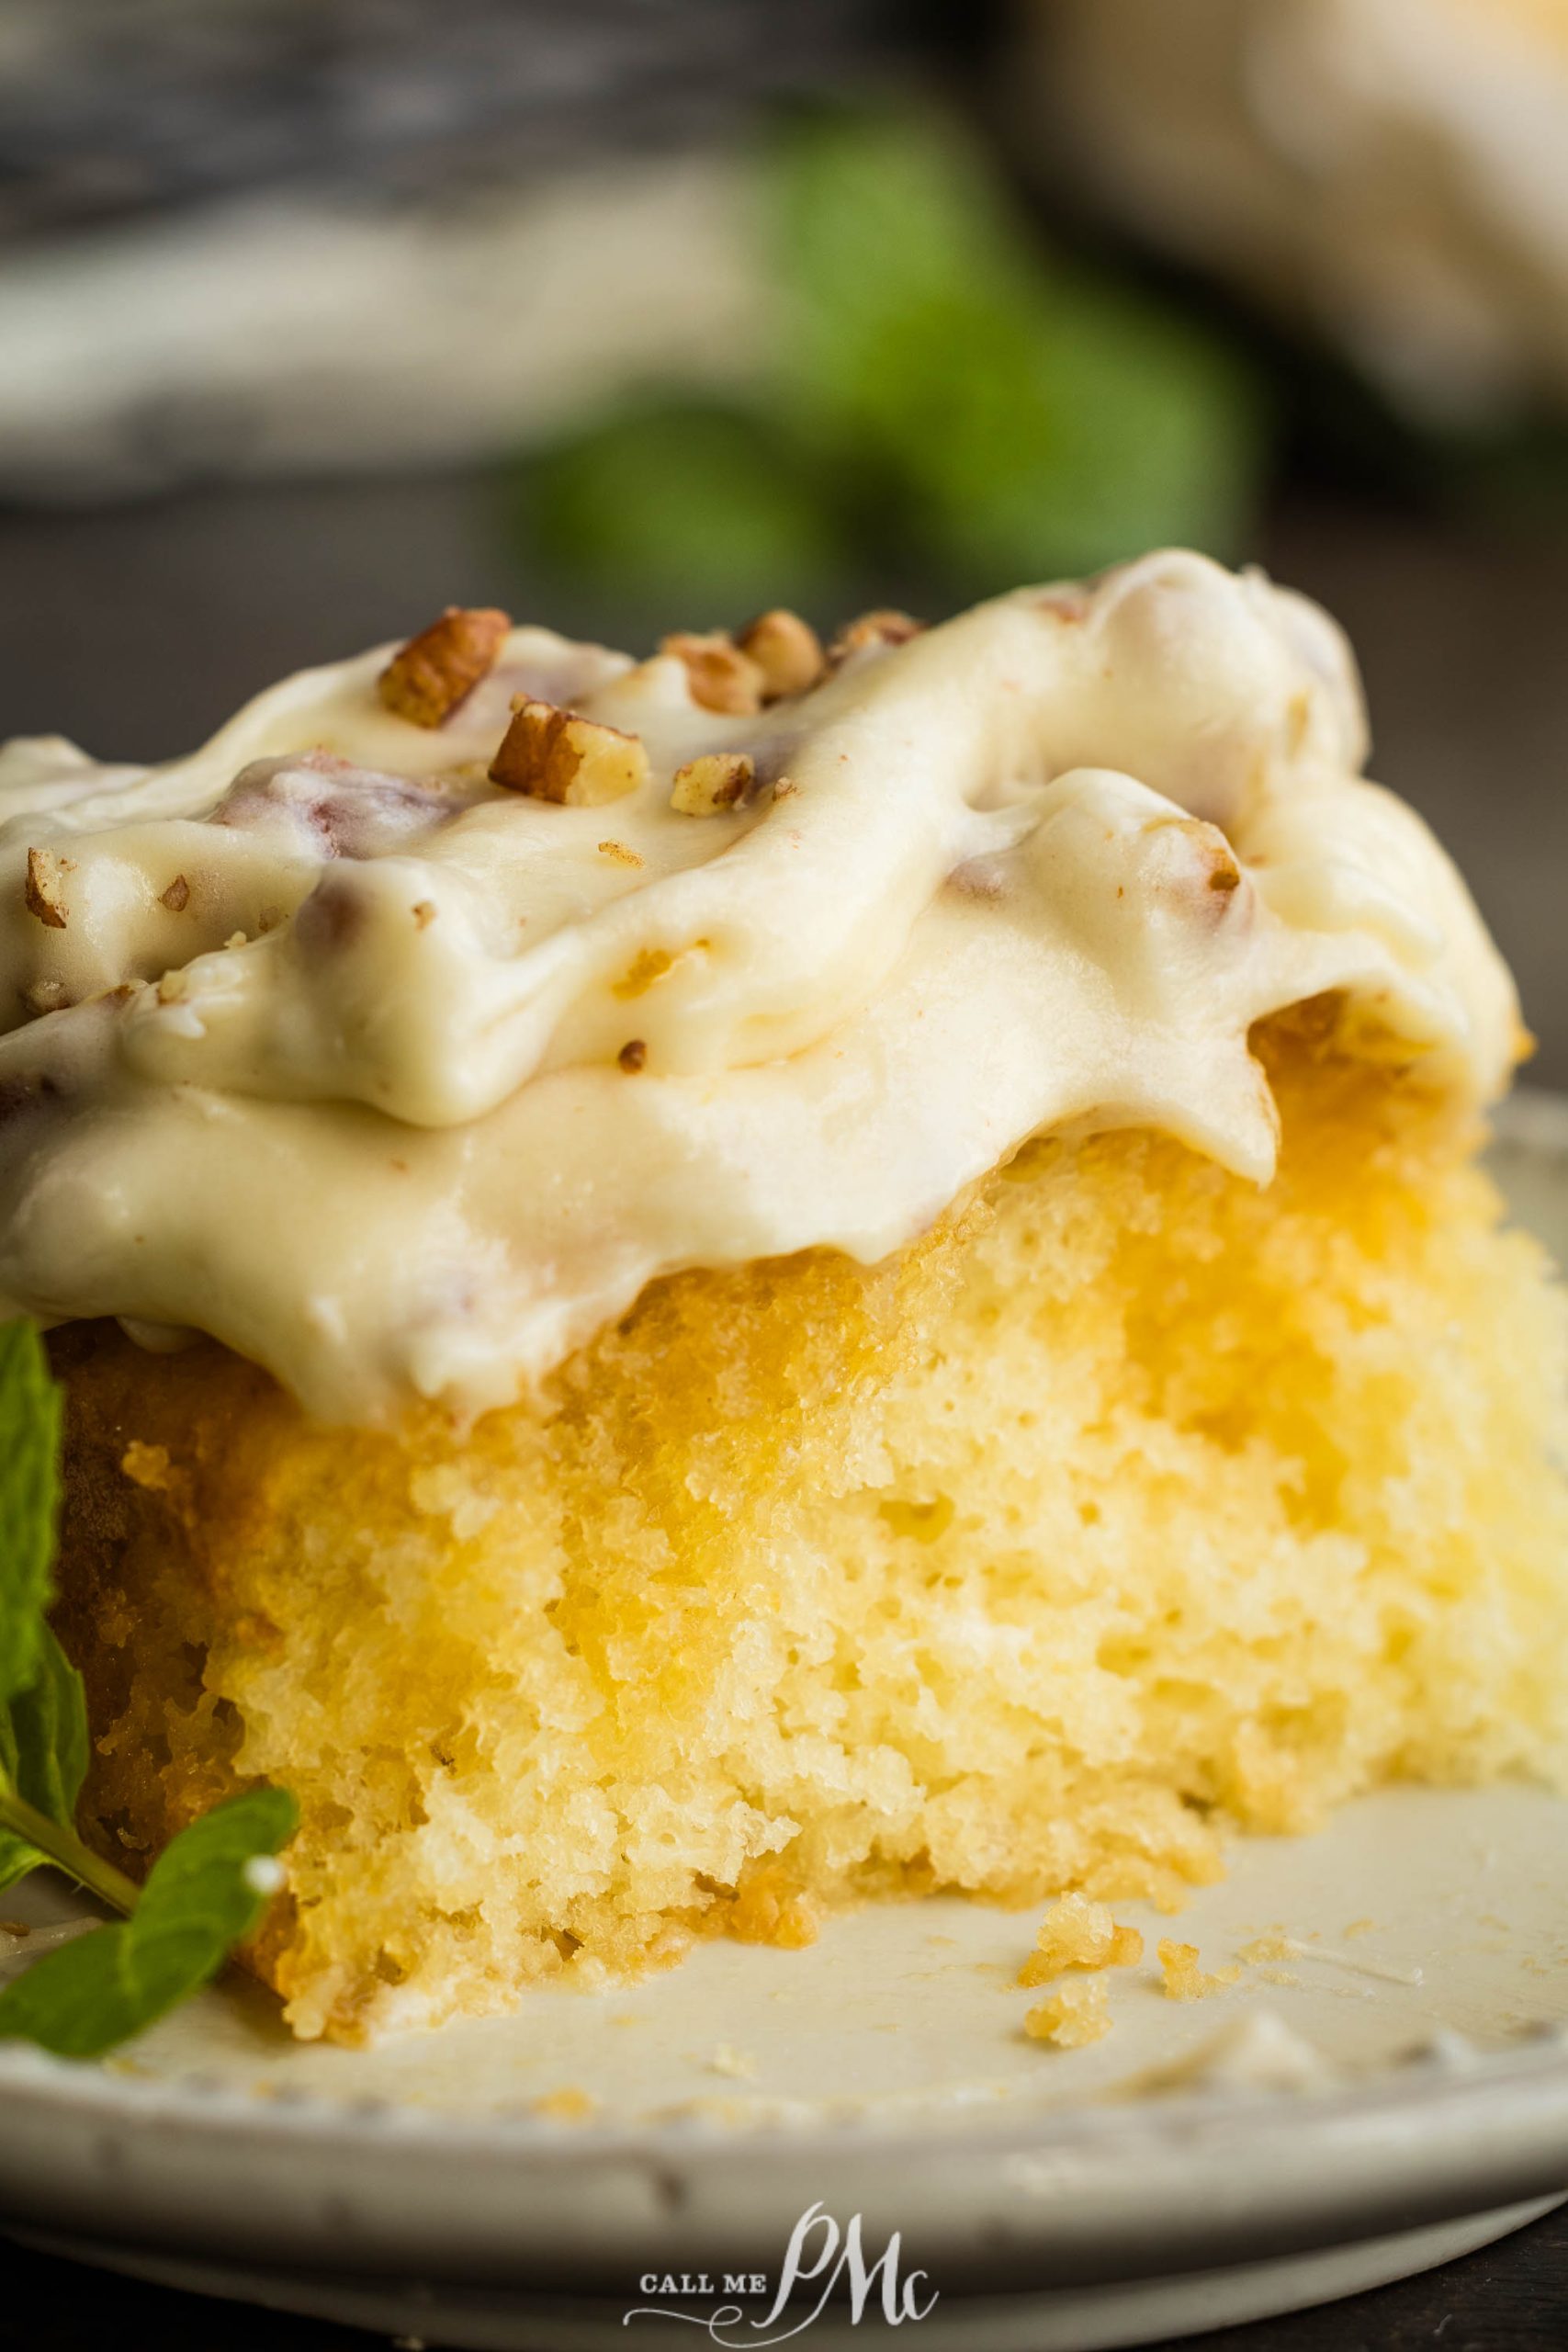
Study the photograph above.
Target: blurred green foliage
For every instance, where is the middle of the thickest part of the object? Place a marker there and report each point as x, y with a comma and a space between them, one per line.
945, 400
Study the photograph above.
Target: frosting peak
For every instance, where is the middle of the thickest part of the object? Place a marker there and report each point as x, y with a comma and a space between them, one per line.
392, 1077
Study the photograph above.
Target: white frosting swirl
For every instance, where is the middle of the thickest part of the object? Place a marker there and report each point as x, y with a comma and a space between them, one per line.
324, 1058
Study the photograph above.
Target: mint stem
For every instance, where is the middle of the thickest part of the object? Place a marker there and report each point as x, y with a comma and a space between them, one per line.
66, 1851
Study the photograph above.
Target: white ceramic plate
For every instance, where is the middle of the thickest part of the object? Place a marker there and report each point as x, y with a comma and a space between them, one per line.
1390, 2091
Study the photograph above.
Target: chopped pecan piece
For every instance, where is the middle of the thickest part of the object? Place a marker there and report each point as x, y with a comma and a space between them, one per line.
719, 780
787, 649
554, 755
720, 675
632, 1055
176, 898
43, 892
440, 668
885, 627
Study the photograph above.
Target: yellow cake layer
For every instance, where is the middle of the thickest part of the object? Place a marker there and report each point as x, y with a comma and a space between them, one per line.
1130, 1504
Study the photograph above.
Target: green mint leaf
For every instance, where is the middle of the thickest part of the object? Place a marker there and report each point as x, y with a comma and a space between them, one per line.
201, 1898
30, 1496
44, 1752
1103, 430
937, 397
882, 223
17, 1858
682, 499
1013, 419
45, 1740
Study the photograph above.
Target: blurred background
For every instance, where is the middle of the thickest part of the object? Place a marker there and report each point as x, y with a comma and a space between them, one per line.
635, 314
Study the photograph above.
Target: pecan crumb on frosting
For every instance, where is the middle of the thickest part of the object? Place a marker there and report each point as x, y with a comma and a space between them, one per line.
787, 649
43, 891
632, 1055
440, 668
176, 898
553, 754
883, 628
719, 780
720, 675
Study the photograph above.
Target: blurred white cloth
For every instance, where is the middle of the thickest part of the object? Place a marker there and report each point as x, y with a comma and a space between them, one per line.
287, 335
1396, 171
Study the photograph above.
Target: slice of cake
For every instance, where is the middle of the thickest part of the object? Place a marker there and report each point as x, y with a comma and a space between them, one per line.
698, 1290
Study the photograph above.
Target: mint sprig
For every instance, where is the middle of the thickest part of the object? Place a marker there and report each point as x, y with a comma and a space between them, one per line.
205, 1892
43, 1753
209, 1886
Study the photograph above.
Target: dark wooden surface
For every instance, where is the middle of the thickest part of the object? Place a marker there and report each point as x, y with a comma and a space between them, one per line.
136, 631
1512, 2296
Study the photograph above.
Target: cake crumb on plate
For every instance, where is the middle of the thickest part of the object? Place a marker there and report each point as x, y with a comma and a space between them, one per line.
1076, 1933
1076, 2016
1184, 1979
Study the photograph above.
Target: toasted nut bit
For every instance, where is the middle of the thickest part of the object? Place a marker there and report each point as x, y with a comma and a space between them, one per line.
555, 755
720, 675
619, 853
632, 1055
872, 628
43, 891
423, 912
787, 649
440, 668
176, 898
719, 780
650, 964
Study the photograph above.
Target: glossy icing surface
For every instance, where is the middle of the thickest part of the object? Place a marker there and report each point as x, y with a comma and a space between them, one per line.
318, 1040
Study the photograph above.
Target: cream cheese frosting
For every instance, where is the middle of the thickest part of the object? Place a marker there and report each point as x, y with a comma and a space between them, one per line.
317, 1040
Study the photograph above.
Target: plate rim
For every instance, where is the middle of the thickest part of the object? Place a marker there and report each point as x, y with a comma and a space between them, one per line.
1080, 2194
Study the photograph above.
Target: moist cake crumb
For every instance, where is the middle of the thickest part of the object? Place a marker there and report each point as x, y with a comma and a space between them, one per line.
1076, 1933
1184, 1980
1072, 2018
567, 2105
